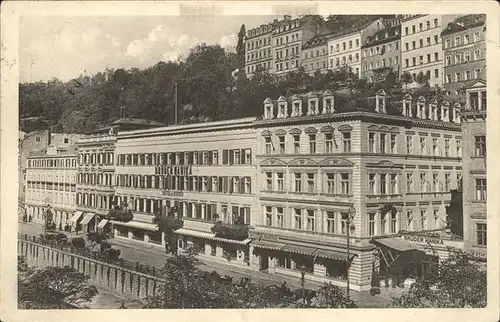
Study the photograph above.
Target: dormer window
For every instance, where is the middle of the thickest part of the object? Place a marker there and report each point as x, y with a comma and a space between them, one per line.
407, 106
282, 110
445, 112
328, 106
456, 110
380, 102
312, 106
268, 109
433, 111
421, 108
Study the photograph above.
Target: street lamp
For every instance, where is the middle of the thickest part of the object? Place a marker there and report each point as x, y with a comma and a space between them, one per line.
302, 282
350, 226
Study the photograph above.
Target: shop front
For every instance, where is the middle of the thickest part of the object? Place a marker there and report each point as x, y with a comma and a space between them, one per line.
89, 223
143, 232
317, 262
211, 247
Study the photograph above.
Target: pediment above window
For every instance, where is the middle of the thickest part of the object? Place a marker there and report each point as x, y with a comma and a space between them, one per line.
280, 132
311, 130
266, 133
335, 162
345, 128
327, 129
295, 131
302, 162
272, 162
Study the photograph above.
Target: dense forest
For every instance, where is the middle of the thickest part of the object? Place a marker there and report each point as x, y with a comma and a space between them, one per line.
211, 85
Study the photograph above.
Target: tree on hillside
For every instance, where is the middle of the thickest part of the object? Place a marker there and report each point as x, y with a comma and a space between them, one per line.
456, 283
390, 80
240, 46
53, 287
422, 79
406, 79
331, 296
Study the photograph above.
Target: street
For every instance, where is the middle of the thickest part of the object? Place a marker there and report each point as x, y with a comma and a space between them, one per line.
155, 256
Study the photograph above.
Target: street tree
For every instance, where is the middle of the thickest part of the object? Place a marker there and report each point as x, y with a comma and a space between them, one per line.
53, 287
458, 282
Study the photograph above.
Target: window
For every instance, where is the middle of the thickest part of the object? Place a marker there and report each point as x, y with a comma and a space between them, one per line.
481, 234
435, 23
346, 141
282, 144
330, 183
371, 142
466, 39
383, 184
477, 54
446, 147
477, 73
447, 181
37, 138
480, 145
280, 181
421, 43
409, 144
466, 57
436, 73
269, 216
393, 143
310, 220
448, 78
423, 219
268, 145
298, 218
435, 183
330, 222
280, 220
481, 189
423, 147
371, 224
394, 183
413, 45
296, 144
459, 148
343, 223
393, 224
448, 43
457, 41
382, 142
435, 147
371, 183
329, 142
312, 143
406, 31
383, 223
310, 182
413, 29
476, 36
269, 181
466, 75
423, 183
344, 183
298, 182
409, 182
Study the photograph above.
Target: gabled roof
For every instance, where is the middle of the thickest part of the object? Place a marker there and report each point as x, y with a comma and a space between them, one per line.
464, 23
477, 83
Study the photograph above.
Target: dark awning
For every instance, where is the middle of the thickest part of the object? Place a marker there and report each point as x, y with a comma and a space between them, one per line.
298, 249
398, 244
267, 245
324, 253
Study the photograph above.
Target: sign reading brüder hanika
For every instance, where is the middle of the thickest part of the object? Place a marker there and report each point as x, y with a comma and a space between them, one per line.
181, 170
424, 239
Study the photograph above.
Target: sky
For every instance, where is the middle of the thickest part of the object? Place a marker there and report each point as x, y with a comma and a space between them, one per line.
65, 47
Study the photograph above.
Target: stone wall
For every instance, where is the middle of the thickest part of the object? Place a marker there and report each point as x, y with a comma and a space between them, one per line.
112, 278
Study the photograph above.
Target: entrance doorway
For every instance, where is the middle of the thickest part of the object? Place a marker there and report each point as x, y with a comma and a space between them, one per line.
264, 262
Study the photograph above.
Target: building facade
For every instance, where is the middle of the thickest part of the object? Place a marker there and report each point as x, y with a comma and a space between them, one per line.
258, 49
205, 171
315, 55
345, 47
464, 50
321, 173
421, 46
381, 54
51, 184
474, 169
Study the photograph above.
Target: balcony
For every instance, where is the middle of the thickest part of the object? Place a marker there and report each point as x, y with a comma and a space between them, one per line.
230, 231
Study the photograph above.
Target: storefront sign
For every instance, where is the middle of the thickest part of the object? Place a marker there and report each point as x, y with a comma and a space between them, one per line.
425, 240
478, 256
182, 170
268, 237
173, 193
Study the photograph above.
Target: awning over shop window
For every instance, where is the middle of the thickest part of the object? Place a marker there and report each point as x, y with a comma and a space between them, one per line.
136, 224
88, 217
102, 223
76, 216
205, 235
324, 253
398, 244
267, 245
298, 249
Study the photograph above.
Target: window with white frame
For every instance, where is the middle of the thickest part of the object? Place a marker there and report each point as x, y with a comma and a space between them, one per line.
423, 147
371, 142
312, 143
310, 220
409, 144
382, 140
310, 182
446, 147
346, 141
298, 182
269, 181
280, 219
296, 144
409, 182
383, 184
423, 182
394, 183
423, 220
481, 234
329, 142
297, 218
481, 189
371, 224
345, 183
269, 216
280, 181
459, 147
393, 143
393, 223
371, 183
435, 147
268, 145
344, 223
383, 223
330, 222
447, 181
480, 145
282, 144
435, 182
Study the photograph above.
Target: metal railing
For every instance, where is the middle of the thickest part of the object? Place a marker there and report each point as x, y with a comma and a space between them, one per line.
95, 255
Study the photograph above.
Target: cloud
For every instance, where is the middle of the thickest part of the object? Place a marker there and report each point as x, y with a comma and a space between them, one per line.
228, 40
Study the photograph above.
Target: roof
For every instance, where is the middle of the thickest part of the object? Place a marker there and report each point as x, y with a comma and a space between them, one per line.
398, 244
351, 29
393, 32
136, 121
464, 23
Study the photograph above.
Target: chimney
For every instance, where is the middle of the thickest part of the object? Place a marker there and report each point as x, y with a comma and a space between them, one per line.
123, 112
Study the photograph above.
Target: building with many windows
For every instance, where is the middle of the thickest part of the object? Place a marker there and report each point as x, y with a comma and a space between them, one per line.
464, 50
381, 54
344, 47
474, 189
96, 173
324, 167
421, 47
51, 184
315, 55
289, 35
206, 172
258, 49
